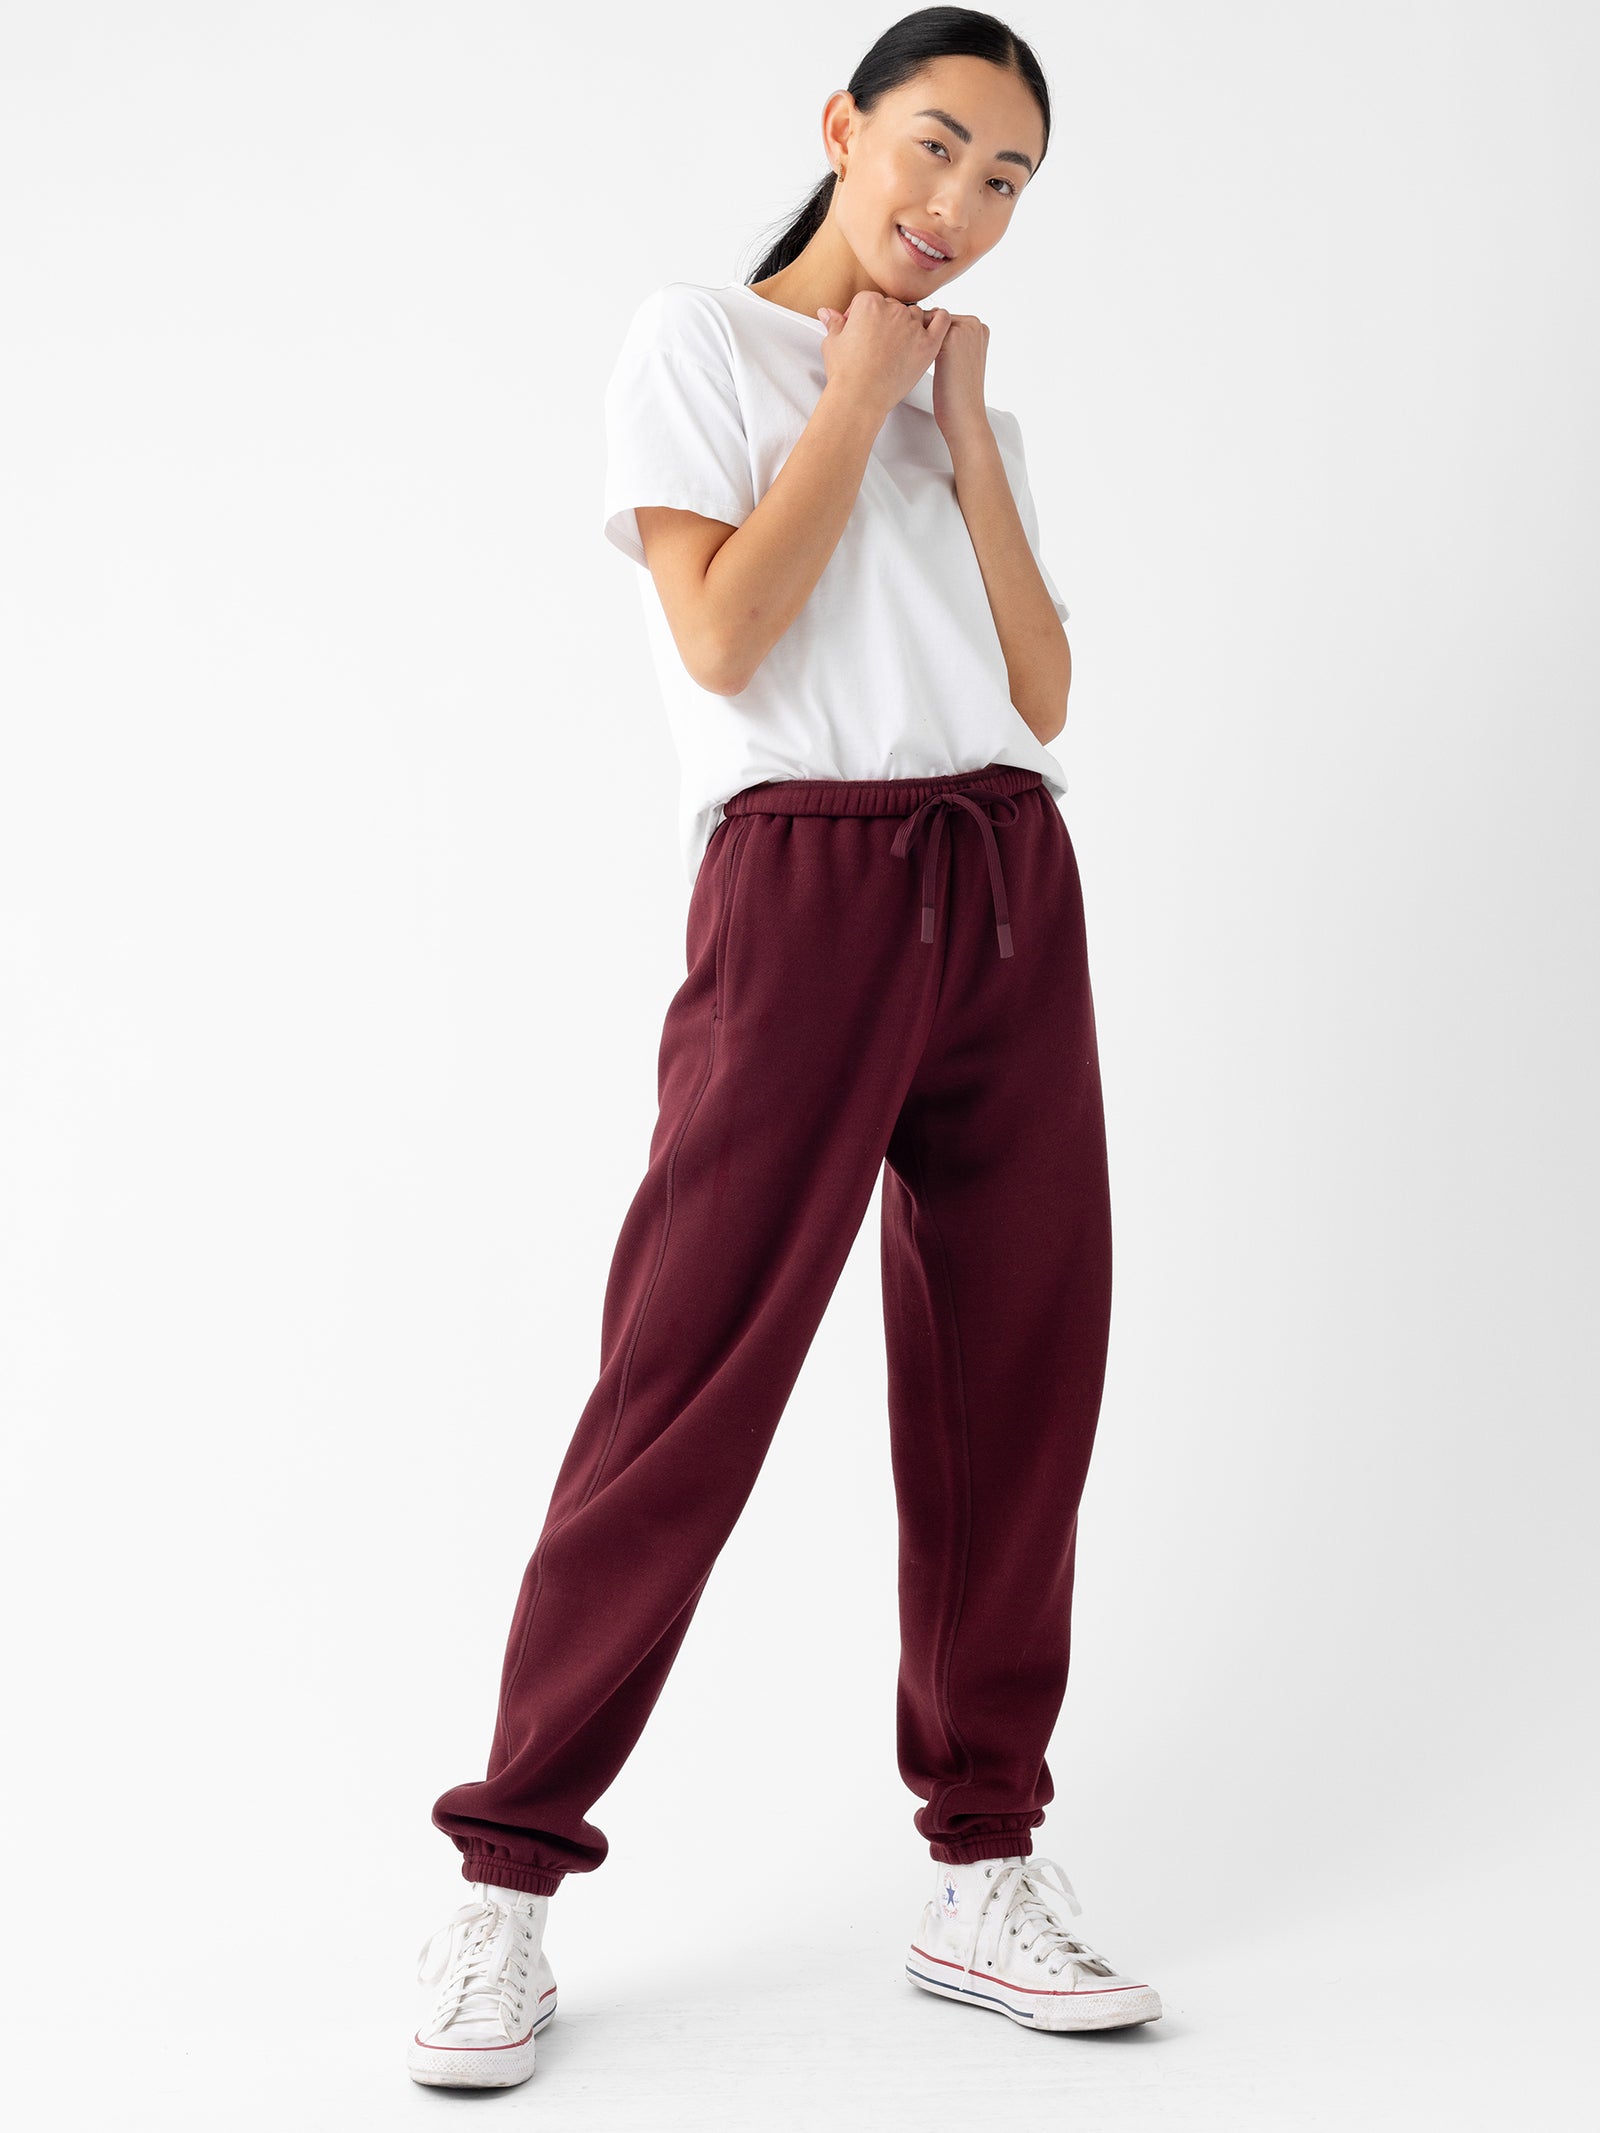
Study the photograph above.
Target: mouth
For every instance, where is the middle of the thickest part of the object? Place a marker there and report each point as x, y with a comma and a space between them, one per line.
923, 247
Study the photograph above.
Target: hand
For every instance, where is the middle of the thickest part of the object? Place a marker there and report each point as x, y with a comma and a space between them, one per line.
959, 406
880, 347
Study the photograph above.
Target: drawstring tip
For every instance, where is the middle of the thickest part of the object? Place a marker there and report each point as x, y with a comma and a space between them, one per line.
1005, 939
927, 922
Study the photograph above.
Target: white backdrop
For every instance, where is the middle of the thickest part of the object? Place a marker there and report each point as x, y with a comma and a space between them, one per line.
341, 906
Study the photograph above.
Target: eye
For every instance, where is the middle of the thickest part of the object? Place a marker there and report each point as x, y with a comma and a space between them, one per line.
1010, 189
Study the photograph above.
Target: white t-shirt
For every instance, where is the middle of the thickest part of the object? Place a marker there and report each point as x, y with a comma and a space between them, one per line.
893, 667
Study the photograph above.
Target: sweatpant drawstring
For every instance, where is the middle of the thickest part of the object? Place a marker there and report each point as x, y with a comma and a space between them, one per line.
935, 806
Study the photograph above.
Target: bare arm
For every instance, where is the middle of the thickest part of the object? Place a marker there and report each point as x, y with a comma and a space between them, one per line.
730, 593
1037, 655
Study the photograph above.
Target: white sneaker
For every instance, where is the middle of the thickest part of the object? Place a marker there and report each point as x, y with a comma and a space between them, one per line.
995, 1936
496, 1992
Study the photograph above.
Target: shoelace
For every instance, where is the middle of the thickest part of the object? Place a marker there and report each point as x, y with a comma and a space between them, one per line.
478, 1983
1022, 1895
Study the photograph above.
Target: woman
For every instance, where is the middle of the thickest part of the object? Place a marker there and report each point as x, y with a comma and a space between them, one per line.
863, 661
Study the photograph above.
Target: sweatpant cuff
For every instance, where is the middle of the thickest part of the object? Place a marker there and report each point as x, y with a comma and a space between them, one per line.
505, 1874
999, 1844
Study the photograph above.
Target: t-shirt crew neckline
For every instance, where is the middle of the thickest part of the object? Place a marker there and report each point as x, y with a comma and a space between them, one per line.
768, 303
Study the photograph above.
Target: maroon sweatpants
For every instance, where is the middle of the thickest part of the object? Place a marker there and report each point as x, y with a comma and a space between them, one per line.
867, 986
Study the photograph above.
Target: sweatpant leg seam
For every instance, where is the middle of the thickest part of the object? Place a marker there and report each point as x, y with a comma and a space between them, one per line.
666, 1232
943, 1670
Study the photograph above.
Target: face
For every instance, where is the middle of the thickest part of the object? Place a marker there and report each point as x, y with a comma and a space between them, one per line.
944, 158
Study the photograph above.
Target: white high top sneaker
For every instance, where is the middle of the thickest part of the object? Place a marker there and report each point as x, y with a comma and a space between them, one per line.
995, 1936
496, 1992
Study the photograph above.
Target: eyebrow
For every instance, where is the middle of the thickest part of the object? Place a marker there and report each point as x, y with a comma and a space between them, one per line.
964, 133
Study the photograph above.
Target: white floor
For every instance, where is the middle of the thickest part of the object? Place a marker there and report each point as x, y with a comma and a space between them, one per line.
1458, 2006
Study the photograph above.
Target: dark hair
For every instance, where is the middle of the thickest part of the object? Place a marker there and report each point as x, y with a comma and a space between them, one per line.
902, 51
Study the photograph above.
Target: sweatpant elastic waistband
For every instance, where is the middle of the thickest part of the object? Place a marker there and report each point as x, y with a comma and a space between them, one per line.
872, 796
924, 802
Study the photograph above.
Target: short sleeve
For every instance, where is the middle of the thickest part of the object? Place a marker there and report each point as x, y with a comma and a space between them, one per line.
674, 429
1008, 435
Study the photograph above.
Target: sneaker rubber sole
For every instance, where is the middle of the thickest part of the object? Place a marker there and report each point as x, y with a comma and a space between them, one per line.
1035, 2006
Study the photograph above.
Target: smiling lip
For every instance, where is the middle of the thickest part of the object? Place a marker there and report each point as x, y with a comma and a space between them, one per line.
927, 236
